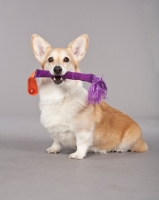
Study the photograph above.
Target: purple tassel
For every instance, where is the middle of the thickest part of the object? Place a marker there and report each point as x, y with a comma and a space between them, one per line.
97, 90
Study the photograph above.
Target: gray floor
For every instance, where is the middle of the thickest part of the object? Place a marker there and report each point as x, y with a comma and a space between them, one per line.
27, 172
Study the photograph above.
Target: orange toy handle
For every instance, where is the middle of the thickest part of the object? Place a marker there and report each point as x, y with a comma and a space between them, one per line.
32, 85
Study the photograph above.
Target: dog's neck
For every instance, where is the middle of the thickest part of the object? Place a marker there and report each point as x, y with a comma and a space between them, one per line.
54, 93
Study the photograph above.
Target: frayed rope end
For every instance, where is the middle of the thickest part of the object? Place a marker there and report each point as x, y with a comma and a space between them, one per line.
97, 91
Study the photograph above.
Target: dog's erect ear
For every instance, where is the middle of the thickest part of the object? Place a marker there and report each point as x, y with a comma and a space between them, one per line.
40, 47
79, 46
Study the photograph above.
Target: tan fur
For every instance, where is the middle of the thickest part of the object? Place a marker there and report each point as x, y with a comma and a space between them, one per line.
113, 128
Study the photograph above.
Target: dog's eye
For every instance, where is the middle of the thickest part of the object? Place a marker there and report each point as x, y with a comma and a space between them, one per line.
50, 59
66, 59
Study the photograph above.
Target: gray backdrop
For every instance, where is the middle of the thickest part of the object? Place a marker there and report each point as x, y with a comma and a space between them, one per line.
124, 48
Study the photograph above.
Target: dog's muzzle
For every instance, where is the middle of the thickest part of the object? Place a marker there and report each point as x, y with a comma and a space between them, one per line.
57, 71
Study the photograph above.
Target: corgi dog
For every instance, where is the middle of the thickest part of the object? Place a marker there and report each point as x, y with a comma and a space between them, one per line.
66, 113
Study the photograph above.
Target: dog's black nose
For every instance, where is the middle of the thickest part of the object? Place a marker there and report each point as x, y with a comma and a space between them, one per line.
57, 70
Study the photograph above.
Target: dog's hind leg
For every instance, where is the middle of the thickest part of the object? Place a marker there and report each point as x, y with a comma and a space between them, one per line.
139, 146
132, 140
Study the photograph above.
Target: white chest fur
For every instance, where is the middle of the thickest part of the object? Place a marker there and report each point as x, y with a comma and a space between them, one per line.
59, 108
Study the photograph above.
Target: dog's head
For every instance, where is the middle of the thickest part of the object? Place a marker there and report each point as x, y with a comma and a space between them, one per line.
59, 60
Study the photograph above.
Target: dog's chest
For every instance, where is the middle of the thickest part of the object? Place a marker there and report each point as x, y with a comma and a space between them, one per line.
58, 117
59, 111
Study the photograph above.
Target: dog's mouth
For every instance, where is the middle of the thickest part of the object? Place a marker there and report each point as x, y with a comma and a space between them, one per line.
58, 80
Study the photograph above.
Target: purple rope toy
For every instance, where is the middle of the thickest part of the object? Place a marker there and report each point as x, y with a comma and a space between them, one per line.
97, 90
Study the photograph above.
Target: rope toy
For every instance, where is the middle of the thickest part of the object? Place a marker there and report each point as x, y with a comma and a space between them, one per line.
96, 93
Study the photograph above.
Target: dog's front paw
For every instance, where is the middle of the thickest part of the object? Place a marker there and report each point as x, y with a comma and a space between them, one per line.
53, 150
76, 155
